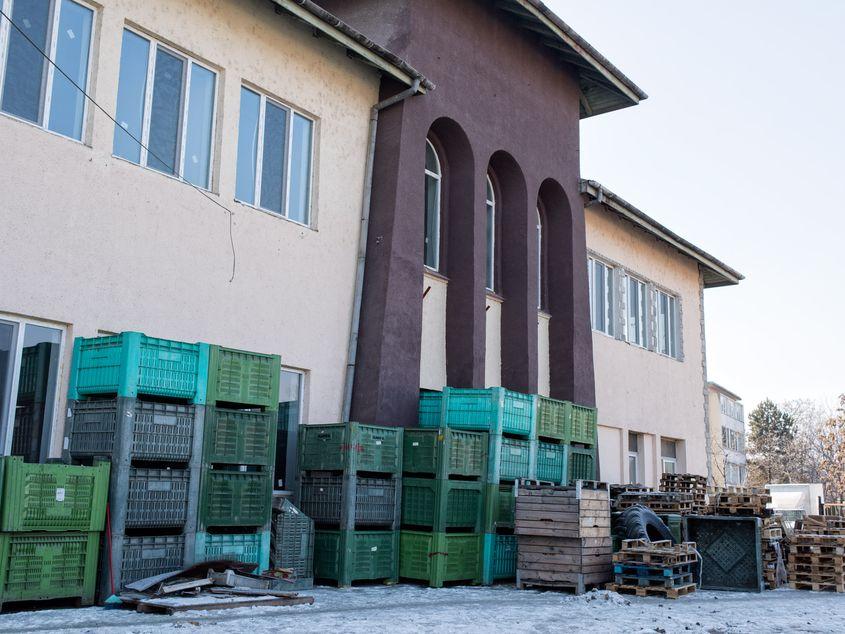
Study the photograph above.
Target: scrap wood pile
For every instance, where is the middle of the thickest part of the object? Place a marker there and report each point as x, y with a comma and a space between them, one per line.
211, 585
661, 502
618, 490
563, 536
695, 485
773, 547
817, 554
659, 568
745, 501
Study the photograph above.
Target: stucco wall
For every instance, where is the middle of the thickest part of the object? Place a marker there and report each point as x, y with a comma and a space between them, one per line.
97, 243
637, 389
493, 345
433, 346
721, 455
543, 374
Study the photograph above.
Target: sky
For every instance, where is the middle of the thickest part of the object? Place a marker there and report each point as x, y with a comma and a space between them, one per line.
740, 148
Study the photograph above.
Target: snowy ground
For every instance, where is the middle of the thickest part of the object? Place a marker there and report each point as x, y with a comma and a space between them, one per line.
377, 609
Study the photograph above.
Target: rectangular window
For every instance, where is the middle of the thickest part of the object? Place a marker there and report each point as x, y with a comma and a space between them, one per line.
275, 147
633, 457
601, 295
725, 437
669, 455
636, 311
287, 429
30, 355
667, 324
165, 110
32, 88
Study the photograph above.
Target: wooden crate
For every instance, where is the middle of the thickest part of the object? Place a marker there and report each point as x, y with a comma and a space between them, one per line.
566, 512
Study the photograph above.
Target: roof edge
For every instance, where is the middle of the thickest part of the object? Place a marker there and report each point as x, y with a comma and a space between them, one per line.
720, 273
720, 388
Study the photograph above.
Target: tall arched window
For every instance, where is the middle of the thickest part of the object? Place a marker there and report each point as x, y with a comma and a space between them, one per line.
491, 236
539, 260
433, 176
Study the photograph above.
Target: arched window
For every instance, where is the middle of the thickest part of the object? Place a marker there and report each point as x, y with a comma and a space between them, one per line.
491, 236
433, 176
539, 260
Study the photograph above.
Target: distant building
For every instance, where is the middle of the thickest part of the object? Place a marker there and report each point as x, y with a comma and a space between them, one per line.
728, 460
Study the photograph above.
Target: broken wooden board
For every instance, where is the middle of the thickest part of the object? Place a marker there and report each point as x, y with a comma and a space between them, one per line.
215, 602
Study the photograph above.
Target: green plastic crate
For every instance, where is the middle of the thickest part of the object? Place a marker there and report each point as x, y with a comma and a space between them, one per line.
508, 459
245, 378
551, 462
551, 418
499, 558
239, 436
347, 556
674, 522
132, 363
445, 452
581, 423
235, 498
441, 505
438, 558
499, 507
582, 463
52, 497
243, 547
494, 410
350, 446
37, 566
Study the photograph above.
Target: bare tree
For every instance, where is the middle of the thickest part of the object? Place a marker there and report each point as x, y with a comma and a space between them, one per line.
832, 465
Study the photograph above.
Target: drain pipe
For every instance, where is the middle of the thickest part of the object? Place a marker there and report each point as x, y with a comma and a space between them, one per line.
352, 352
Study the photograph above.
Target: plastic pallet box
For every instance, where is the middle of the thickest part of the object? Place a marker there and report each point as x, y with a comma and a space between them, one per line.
551, 419
244, 547
147, 556
52, 497
581, 424
552, 462
499, 507
351, 447
508, 459
35, 370
38, 566
28, 423
292, 541
239, 436
161, 432
429, 409
675, 525
494, 410
321, 498
347, 556
438, 558
246, 378
441, 505
582, 463
499, 558
132, 363
730, 550
235, 498
157, 497
443, 453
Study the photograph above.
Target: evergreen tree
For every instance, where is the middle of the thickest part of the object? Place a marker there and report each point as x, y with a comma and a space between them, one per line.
770, 443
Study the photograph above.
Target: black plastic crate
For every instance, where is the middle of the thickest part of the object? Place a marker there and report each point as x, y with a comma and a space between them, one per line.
292, 541
321, 498
730, 551
157, 497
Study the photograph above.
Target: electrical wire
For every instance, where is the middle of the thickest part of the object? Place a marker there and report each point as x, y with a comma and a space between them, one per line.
132, 136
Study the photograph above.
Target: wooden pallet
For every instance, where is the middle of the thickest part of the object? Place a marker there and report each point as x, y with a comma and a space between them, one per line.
644, 591
662, 553
817, 587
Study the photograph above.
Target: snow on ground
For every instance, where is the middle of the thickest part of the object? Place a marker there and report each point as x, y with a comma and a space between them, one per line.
376, 609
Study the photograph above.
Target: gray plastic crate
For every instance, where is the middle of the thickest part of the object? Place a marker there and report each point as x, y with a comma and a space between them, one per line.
161, 431
157, 497
321, 498
730, 551
148, 556
292, 541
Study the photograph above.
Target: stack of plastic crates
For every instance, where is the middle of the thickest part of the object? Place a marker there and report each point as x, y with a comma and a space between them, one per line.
138, 402
567, 441
442, 505
238, 453
292, 544
350, 485
509, 418
51, 516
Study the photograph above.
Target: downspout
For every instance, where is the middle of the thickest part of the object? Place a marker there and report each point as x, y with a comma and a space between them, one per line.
352, 352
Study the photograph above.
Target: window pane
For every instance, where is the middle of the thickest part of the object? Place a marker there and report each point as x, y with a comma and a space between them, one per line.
491, 243
247, 146
600, 316
432, 220
131, 88
431, 162
23, 86
273, 160
7, 340
196, 166
632, 469
300, 170
633, 442
608, 298
539, 260
67, 103
166, 112
667, 448
290, 406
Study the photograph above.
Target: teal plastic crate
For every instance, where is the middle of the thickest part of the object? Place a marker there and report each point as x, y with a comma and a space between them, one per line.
552, 462
499, 558
429, 408
582, 463
494, 410
508, 459
132, 363
243, 547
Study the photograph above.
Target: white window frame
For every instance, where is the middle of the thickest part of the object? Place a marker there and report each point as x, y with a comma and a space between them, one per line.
668, 461
7, 426
439, 178
609, 313
636, 458
674, 340
539, 259
642, 311
189, 60
259, 156
491, 244
47, 88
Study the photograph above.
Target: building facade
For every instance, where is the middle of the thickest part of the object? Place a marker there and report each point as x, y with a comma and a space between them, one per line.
647, 313
726, 418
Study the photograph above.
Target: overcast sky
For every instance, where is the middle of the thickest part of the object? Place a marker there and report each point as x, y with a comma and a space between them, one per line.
739, 148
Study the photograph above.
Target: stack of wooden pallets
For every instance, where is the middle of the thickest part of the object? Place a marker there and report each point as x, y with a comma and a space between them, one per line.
817, 562
773, 548
661, 502
740, 501
618, 490
563, 536
821, 525
654, 568
695, 485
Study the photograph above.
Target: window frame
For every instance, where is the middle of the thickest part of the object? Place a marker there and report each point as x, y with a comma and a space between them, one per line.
608, 294
291, 111
293, 434
642, 310
154, 44
668, 461
46, 88
439, 179
490, 259
672, 330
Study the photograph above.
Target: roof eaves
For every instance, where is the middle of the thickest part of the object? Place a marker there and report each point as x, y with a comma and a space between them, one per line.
717, 273
724, 390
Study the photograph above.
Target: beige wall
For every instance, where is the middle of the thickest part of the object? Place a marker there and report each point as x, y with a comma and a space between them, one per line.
96, 243
493, 347
543, 370
433, 346
640, 390
722, 456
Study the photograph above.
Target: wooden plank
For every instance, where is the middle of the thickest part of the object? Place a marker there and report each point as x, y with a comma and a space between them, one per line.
184, 585
169, 606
